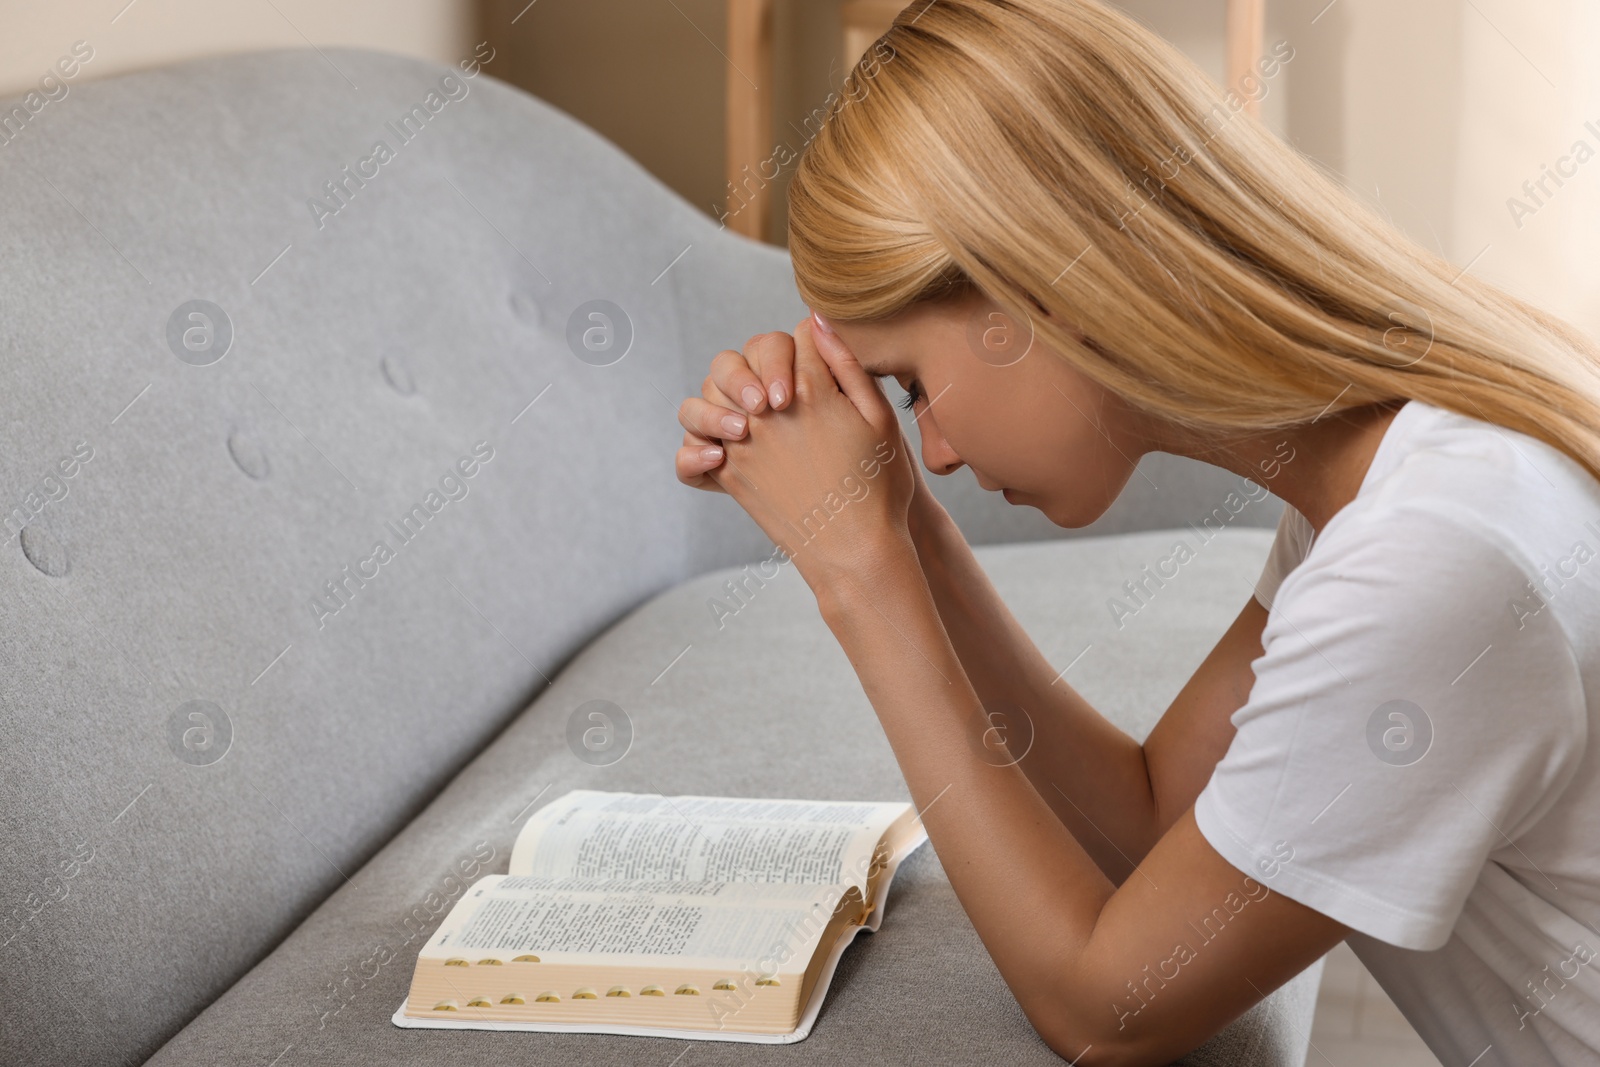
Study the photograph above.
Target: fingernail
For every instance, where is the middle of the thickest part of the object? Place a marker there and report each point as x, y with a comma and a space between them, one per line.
752, 397
822, 323
734, 424
777, 392
711, 455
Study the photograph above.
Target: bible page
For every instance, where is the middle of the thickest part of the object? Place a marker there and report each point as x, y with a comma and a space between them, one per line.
649, 837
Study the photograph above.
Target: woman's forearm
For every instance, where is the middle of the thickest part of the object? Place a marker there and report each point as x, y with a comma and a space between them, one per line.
1089, 772
1031, 890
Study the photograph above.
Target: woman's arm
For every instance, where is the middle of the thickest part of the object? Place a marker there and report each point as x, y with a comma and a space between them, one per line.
1089, 772
1136, 974
1116, 796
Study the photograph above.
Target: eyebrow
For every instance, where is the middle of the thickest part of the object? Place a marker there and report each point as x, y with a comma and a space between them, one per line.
877, 370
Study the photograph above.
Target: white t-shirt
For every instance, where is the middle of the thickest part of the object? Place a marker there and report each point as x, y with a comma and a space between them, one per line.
1419, 757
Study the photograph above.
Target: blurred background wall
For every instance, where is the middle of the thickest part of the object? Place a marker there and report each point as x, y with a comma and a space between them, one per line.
1436, 111
148, 33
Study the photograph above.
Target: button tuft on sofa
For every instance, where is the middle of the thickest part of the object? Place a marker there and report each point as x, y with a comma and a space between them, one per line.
43, 550
398, 375
249, 455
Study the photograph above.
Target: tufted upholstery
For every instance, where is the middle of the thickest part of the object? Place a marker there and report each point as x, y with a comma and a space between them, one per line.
221, 697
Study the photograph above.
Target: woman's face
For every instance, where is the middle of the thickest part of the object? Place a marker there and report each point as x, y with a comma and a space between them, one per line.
990, 395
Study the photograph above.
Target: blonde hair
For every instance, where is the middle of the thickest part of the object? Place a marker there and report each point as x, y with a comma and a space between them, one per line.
1056, 154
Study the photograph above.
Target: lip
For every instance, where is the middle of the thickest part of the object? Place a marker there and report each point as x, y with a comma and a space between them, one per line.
1006, 493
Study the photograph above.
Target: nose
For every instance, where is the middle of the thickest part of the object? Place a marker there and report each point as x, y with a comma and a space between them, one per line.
937, 455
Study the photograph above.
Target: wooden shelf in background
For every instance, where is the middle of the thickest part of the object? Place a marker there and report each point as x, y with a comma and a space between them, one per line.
749, 115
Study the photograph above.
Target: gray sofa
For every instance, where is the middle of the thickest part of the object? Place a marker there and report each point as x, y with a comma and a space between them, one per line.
249, 759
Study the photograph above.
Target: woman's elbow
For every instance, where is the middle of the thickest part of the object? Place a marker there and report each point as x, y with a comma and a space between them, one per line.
1084, 1037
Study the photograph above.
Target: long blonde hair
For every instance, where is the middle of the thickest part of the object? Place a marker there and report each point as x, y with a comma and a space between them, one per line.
1057, 155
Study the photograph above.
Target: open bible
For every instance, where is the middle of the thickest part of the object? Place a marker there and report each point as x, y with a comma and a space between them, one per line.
687, 916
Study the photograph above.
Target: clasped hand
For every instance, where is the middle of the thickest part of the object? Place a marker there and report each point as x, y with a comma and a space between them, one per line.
825, 473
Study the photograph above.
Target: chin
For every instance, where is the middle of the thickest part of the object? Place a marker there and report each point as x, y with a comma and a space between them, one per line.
1070, 520
1066, 522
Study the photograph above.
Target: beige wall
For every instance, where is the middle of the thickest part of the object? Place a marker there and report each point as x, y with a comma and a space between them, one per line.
1530, 96
34, 34
647, 74
1437, 111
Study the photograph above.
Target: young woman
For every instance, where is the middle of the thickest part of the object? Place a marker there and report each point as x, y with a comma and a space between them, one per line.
1404, 753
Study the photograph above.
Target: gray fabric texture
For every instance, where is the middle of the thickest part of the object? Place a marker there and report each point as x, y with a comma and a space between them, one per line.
766, 704
156, 849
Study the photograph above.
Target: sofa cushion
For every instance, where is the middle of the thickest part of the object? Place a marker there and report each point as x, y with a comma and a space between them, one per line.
762, 702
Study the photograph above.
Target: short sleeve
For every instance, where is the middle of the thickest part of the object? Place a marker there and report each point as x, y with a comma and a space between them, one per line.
1412, 714
1289, 547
